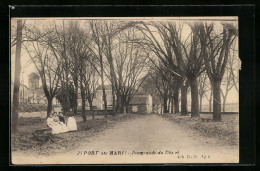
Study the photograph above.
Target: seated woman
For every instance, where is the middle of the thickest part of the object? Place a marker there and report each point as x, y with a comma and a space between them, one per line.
50, 120
53, 124
57, 126
71, 123
63, 127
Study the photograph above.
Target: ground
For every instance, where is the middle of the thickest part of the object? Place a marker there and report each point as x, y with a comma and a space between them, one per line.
140, 139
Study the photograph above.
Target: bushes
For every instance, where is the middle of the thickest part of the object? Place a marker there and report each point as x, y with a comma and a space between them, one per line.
32, 107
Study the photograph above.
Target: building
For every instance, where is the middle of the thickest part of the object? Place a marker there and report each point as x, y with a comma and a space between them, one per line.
35, 91
98, 102
142, 103
98, 98
33, 80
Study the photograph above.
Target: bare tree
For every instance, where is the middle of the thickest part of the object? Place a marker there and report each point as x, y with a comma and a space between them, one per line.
57, 39
162, 48
233, 64
204, 87
74, 54
46, 60
109, 33
80, 55
17, 75
130, 67
215, 51
90, 83
228, 84
160, 86
184, 90
98, 38
188, 54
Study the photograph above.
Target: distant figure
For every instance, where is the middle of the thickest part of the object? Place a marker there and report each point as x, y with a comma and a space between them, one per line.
71, 123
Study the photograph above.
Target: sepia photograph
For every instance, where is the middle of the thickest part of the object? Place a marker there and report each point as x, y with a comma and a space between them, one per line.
124, 90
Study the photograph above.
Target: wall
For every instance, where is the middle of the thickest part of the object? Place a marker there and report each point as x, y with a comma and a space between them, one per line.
98, 101
141, 109
149, 104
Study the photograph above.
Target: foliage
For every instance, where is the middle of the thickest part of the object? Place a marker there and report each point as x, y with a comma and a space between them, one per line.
61, 97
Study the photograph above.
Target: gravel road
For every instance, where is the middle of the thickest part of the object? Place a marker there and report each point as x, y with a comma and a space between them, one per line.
146, 139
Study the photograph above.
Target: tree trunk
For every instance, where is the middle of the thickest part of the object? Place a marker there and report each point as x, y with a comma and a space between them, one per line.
49, 106
216, 101
76, 97
103, 88
172, 103
114, 99
210, 100
127, 108
201, 103
118, 103
123, 105
194, 97
66, 73
168, 107
91, 109
83, 107
176, 100
165, 104
83, 110
184, 108
224, 103
17, 76
104, 97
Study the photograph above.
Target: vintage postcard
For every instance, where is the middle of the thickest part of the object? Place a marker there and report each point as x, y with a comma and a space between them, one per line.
142, 90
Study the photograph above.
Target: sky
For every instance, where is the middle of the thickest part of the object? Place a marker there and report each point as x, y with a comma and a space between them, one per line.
28, 67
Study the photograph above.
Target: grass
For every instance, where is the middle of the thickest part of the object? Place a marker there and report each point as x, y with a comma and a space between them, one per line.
225, 131
26, 141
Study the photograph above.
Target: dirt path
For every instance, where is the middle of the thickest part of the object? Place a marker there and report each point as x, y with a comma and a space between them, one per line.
125, 142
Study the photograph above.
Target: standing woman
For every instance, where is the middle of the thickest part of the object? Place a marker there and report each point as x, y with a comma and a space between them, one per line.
72, 124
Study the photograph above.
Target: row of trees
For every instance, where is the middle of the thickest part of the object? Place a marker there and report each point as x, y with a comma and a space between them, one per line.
76, 56
190, 54
72, 57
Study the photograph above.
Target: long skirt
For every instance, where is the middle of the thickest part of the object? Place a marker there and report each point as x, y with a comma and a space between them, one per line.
71, 124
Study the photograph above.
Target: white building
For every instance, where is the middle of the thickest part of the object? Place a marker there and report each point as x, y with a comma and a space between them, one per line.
140, 103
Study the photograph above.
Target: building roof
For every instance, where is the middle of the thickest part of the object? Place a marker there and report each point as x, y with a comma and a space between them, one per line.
107, 87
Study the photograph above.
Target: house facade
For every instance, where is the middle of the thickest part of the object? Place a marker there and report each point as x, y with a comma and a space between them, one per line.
140, 103
98, 102
98, 98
